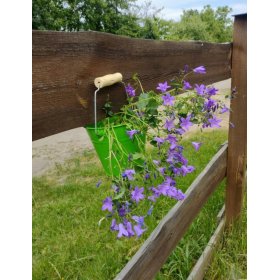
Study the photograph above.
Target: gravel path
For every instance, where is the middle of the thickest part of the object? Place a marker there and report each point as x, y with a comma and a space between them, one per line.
57, 148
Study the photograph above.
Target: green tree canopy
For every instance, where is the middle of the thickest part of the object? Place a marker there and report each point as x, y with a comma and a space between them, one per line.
207, 25
125, 17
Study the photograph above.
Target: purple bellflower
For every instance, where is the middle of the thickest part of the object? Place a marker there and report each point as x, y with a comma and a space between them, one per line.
200, 89
131, 133
107, 204
137, 194
186, 85
214, 122
196, 145
168, 100
122, 231
139, 220
200, 70
114, 225
211, 91
186, 123
224, 109
130, 90
129, 174
139, 231
129, 229
163, 87
159, 140
169, 124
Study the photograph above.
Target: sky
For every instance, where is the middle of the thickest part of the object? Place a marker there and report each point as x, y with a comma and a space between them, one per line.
173, 8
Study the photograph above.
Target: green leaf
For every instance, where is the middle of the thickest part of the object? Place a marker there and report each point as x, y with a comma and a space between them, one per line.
119, 195
143, 101
138, 156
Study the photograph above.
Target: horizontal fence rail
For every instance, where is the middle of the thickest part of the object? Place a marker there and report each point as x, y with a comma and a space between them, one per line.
66, 63
152, 255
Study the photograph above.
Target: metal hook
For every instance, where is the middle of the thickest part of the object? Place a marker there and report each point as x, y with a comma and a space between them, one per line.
95, 116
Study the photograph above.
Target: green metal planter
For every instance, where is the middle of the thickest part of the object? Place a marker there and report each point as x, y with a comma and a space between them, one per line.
114, 147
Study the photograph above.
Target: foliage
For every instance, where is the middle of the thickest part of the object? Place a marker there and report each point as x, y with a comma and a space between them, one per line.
67, 239
207, 25
125, 17
74, 15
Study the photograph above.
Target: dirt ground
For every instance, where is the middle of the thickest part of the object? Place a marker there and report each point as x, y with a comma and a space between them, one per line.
57, 148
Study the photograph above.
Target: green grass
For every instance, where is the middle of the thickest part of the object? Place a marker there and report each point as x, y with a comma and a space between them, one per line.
68, 243
230, 259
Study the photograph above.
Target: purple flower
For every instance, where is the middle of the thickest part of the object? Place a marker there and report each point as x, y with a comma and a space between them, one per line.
180, 131
186, 85
176, 171
163, 188
172, 140
211, 91
186, 123
187, 169
214, 122
147, 176
107, 204
168, 99
130, 133
179, 195
163, 86
200, 89
139, 231
224, 109
98, 183
161, 170
186, 68
129, 174
209, 103
122, 231
150, 210
139, 220
114, 225
169, 181
130, 90
122, 211
196, 145
137, 194
169, 124
129, 229
159, 140
200, 70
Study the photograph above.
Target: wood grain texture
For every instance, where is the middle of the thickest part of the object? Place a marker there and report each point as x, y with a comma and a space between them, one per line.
156, 249
237, 141
203, 262
66, 63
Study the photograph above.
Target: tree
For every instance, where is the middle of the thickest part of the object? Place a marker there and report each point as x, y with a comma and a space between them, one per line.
74, 15
208, 25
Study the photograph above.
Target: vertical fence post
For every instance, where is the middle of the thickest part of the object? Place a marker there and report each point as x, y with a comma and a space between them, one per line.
237, 142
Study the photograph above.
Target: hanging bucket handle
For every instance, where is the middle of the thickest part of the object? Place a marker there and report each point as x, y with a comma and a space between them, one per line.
102, 82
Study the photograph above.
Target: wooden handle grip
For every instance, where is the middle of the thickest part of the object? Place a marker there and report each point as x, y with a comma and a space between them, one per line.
107, 80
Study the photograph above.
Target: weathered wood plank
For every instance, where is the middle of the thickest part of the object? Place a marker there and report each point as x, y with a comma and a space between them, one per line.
203, 262
221, 214
65, 64
237, 140
156, 249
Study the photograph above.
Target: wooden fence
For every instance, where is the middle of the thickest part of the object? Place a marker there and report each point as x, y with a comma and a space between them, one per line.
64, 66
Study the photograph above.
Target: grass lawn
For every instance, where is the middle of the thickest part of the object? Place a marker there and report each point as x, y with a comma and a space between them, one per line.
68, 243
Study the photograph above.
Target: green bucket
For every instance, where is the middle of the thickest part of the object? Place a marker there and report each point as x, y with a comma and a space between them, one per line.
116, 140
